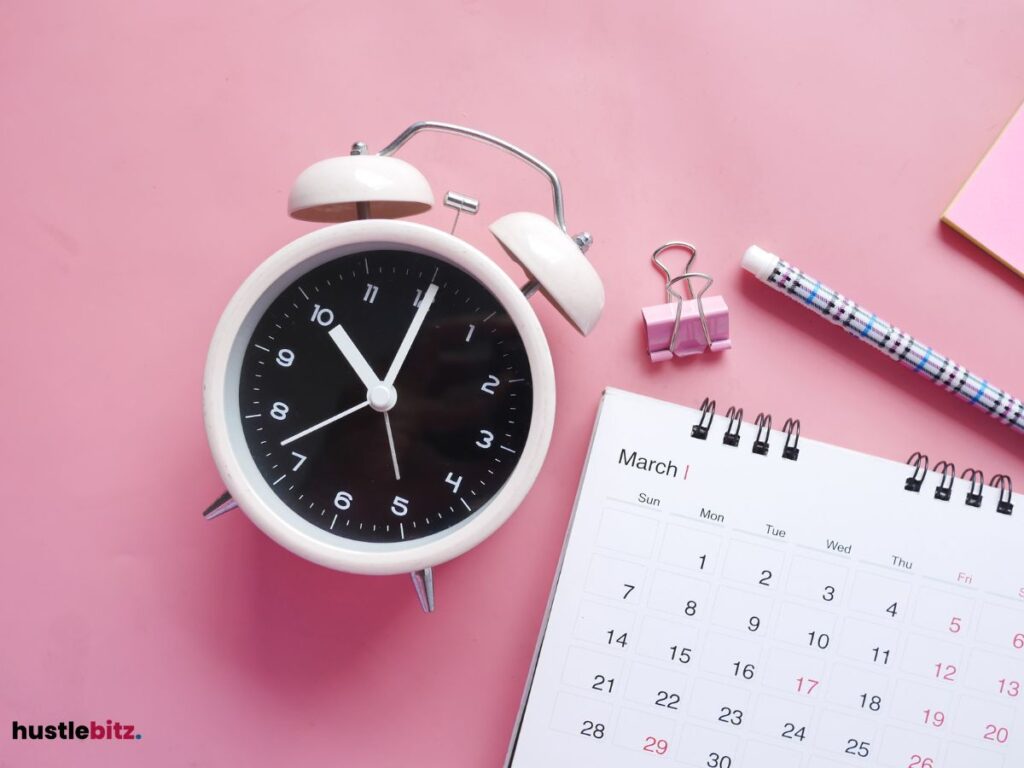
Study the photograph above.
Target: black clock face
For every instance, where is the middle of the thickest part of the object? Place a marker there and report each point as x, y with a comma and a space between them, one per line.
385, 396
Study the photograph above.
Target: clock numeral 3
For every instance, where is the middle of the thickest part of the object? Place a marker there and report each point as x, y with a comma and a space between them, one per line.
322, 315
454, 482
400, 506
490, 385
486, 439
343, 500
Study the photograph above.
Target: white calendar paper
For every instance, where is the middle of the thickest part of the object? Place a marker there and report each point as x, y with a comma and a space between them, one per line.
723, 609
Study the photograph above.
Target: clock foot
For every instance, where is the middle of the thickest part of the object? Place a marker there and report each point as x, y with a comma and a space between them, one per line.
423, 581
224, 503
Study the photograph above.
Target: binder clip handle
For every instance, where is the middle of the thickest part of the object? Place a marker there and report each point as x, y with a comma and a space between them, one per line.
698, 297
687, 323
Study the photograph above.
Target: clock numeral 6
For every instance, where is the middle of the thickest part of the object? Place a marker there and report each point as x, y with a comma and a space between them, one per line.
343, 500
400, 506
490, 385
322, 315
486, 439
285, 358
454, 482
279, 411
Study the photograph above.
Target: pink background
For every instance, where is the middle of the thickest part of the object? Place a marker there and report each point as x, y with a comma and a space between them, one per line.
148, 149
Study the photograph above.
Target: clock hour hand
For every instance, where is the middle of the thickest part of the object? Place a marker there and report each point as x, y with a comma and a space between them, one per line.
410, 335
325, 422
354, 357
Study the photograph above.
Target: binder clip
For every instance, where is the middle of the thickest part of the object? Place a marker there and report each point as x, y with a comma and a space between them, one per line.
681, 326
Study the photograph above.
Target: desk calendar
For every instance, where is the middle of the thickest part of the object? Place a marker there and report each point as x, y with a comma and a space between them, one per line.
719, 605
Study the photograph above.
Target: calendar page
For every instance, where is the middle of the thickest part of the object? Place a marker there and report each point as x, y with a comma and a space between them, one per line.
723, 609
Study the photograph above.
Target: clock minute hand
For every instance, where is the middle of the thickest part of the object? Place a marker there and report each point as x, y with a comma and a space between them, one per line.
410, 335
354, 357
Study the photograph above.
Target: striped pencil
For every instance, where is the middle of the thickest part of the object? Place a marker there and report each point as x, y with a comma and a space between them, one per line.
897, 344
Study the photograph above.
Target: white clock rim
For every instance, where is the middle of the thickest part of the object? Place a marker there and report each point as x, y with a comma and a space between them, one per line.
223, 421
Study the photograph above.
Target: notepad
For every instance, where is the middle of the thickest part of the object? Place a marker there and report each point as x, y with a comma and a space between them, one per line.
716, 606
987, 210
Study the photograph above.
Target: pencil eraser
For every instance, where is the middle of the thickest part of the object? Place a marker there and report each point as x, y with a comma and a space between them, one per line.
759, 262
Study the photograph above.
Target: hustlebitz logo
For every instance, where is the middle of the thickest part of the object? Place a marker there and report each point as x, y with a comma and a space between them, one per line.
112, 730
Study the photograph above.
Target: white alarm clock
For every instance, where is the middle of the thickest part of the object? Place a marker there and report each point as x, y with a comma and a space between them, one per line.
379, 394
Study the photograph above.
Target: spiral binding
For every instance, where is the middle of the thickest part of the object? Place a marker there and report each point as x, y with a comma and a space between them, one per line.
919, 461
763, 422
947, 472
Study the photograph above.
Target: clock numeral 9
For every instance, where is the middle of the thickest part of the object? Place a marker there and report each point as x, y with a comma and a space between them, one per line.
490, 385
486, 439
343, 500
321, 315
285, 358
279, 411
400, 506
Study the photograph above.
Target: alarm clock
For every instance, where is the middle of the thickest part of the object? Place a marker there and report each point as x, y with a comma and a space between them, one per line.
379, 394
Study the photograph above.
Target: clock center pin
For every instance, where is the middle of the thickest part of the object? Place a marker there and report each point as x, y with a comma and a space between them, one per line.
382, 397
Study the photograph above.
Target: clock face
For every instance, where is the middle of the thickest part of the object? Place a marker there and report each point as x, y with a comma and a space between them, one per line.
385, 396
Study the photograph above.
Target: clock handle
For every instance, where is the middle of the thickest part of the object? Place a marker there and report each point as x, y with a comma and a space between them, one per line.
423, 581
494, 141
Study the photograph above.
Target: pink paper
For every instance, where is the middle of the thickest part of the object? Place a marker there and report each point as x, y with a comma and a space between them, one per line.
988, 208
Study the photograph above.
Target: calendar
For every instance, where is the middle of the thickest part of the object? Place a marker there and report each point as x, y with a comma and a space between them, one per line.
731, 596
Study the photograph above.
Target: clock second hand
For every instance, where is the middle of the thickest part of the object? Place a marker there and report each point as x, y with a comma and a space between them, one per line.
325, 422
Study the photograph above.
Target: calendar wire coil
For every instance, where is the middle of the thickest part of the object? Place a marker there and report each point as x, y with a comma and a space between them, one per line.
918, 461
947, 472
763, 422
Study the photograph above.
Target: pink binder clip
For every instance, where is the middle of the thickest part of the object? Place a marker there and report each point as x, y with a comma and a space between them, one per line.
681, 326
